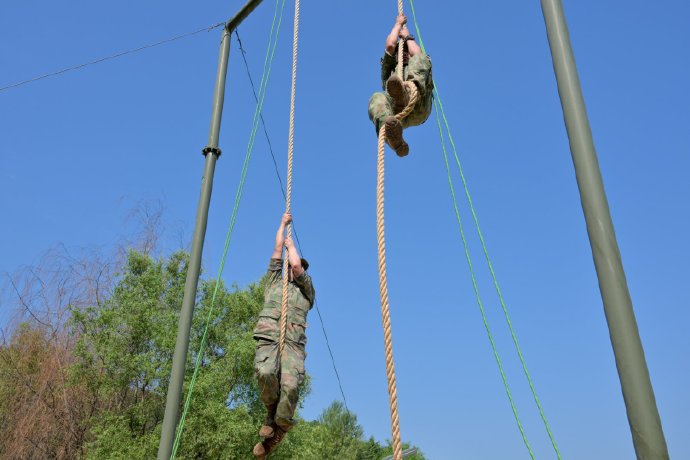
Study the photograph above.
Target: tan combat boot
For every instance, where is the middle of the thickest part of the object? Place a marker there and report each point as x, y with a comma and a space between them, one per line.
263, 449
267, 431
394, 136
268, 428
397, 91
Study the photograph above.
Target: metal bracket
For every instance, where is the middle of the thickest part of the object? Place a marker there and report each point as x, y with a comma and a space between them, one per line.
214, 150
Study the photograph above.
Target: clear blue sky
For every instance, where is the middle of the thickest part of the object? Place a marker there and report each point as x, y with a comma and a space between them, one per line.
80, 150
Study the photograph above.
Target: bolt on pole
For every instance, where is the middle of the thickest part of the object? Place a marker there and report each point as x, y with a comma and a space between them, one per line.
636, 385
211, 153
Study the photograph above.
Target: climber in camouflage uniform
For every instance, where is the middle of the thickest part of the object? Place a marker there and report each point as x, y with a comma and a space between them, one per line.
279, 375
417, 69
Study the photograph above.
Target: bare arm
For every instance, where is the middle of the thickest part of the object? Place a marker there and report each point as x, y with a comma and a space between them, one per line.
293, 258
412, 46
392, 38
280, 236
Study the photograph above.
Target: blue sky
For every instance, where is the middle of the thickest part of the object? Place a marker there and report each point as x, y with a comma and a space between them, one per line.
79, 151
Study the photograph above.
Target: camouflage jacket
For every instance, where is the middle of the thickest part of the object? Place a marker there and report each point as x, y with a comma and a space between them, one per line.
301, 297
388, 64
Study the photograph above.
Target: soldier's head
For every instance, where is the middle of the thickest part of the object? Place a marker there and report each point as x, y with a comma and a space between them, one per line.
305, 266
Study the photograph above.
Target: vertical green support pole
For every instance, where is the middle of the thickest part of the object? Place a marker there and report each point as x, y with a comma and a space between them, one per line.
643, 416
211, 152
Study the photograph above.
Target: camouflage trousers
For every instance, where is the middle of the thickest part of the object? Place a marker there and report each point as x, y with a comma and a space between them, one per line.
418, 71
279, 379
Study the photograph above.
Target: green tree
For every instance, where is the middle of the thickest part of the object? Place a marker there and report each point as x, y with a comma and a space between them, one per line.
124, 355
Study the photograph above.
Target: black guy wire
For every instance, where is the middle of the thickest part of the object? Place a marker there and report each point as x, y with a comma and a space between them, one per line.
112, 56
263, 123
299, 244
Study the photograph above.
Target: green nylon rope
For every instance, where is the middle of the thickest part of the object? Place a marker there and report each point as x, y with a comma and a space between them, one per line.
483, 243
498, 289
476, 291
272, 44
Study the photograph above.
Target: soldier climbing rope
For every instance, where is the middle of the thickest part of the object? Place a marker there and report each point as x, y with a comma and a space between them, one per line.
381, 240
416, 89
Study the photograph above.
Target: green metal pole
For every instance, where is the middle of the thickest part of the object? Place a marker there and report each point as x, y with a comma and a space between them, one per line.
643, 416
211, 153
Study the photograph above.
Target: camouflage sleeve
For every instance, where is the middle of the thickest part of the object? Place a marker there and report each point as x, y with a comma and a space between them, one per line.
387, 67
303, 281
275, 271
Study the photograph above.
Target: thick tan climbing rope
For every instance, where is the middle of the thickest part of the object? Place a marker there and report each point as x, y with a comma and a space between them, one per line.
380, 234
399, 67
291, 144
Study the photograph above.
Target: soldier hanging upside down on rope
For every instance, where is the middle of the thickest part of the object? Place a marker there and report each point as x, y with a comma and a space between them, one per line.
280, 374
417, 69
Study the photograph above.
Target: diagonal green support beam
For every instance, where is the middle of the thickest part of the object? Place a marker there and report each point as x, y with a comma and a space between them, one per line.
640, 404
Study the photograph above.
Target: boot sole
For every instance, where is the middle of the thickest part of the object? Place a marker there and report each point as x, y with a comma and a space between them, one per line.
259, 452
396, 90
266, 433
394, 133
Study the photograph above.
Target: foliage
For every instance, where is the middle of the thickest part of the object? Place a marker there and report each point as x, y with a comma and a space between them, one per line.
43, 413
35, 401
